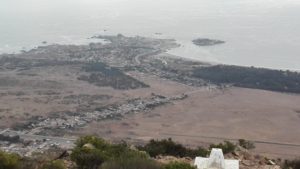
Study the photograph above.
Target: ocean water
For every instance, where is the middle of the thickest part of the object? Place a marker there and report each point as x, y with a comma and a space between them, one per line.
262, 33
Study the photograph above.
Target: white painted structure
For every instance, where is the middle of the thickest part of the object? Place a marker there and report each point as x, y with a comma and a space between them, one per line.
216, 161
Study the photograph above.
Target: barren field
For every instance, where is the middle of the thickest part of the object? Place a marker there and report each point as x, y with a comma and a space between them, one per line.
212, 115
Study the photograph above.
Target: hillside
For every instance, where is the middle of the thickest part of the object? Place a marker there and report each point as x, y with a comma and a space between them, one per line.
95, 153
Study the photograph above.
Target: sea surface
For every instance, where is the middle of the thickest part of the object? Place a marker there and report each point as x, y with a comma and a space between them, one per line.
262, 33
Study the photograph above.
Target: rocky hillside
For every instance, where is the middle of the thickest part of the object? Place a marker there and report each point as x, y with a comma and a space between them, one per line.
95, 153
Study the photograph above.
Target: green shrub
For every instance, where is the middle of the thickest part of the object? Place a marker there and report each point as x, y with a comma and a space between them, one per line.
131, 163
164, 147
199, 152
133, 154
97, 142
130, 159
246, 144
169, 147
227, 147
9, 161
90, 152
42, 160
179, 165
56, 164
88, 158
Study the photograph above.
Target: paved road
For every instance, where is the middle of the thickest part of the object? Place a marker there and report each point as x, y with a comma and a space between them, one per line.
137, 58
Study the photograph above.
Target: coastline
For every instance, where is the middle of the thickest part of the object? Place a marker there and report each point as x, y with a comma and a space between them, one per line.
178, 51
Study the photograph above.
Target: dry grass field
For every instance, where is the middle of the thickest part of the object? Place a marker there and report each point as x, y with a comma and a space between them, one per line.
213, 115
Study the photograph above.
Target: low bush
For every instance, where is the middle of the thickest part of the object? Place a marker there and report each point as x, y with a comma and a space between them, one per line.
91, 152
169, 147
9, 161
56, 164
179, 165
227, 147
246, 144
88, 159
199, 152
131, 163
43, 160
164, 147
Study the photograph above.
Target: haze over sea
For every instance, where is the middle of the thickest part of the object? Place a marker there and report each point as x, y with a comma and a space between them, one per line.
262, 33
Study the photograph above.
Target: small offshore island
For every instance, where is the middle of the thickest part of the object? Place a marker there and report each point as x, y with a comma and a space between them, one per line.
112, 88
207, 42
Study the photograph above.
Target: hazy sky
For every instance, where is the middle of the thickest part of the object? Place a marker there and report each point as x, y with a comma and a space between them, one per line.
258, 32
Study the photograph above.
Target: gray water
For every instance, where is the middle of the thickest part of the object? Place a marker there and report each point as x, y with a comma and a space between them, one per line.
263, 33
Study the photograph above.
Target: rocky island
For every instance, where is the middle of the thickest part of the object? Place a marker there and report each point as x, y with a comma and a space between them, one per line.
207, 42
